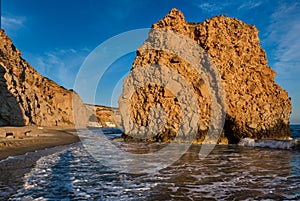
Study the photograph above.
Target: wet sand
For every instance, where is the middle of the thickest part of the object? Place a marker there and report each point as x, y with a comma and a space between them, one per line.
20, 140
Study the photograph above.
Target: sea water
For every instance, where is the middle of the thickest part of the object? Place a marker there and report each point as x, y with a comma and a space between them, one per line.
229, 172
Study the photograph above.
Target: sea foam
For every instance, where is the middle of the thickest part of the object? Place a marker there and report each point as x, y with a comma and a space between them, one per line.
271, 143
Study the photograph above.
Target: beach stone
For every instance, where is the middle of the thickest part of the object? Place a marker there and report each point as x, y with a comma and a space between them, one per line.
28, 98
256, 106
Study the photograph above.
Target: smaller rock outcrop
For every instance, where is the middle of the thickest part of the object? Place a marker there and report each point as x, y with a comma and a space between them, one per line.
103, 116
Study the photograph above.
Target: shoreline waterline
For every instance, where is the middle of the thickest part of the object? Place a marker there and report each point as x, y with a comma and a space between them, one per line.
224, 174
227, 168
39, 138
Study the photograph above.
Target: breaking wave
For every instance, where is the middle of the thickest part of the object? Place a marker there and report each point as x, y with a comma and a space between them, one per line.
271, 143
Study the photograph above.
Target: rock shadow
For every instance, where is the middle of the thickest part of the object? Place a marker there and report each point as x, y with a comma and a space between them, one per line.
10, 111
234, 133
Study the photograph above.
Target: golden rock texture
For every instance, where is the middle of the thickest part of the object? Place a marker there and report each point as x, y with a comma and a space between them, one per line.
27, 97
256, 106
103, 114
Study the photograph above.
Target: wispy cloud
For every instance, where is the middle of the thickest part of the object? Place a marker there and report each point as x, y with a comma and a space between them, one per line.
283, 37
61, 65
284, 32
210, 7
218, 6
12, 22
249, 4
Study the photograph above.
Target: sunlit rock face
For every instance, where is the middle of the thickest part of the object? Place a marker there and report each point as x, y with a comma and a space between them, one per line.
255, 105
27, 97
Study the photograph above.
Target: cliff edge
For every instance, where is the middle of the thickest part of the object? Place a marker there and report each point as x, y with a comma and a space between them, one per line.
27, 97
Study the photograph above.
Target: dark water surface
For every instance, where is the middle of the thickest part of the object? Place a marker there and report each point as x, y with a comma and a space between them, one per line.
229, 173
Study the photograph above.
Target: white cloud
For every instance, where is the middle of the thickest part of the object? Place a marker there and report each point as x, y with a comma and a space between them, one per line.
284, 33
12, 23
283, 36
222, 6
210, 7
60, 65
250, 4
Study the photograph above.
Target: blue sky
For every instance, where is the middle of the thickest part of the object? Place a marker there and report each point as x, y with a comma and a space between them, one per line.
55, 36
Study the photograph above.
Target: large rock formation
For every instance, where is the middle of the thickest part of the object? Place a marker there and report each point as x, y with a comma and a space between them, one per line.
256, 106
27, 97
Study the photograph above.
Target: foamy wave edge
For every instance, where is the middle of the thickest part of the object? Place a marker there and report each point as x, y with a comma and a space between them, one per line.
271, 143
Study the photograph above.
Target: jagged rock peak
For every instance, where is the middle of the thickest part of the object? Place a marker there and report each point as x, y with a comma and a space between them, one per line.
256, 106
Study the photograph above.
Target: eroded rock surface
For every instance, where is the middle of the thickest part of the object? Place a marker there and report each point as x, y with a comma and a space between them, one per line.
102, 115
27, 97
256, 106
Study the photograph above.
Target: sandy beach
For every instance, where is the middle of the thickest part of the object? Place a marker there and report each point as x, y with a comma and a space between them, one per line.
20, 140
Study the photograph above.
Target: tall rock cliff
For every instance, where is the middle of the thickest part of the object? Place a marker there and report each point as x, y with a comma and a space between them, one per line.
256, 106
27, 97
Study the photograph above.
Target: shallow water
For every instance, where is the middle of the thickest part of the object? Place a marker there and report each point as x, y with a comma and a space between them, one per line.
228, 173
